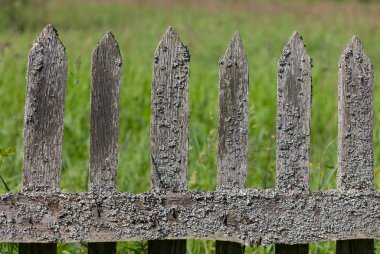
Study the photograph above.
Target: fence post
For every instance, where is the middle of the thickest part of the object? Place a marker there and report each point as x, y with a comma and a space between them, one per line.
43, 130
355, 131
233, 126
169, 126
293, 125
105, 91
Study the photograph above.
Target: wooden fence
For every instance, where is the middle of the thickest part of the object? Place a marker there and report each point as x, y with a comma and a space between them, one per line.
289, 216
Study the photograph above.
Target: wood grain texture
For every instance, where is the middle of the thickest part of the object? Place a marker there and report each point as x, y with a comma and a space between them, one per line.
169, 115
246, 216
169, 124
45, 99
293, 117
355, 119
233, 117
233, 125
43, 129
37, 248
355, 130
291, 249
293, 123
105, 93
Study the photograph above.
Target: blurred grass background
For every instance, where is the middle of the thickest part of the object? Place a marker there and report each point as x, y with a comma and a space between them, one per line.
206, 27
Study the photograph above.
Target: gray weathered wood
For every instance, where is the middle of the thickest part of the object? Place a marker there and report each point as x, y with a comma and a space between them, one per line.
355, 130
246, 216
169, 114
45, 99
293, 116
106, 76
355, 119
233, 126
43, 130
293, 123
233, 117
294, 249
169, 124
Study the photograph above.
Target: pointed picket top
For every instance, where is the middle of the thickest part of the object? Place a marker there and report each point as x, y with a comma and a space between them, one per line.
170, 37
170, 112
355, 48
233, 117
295, 46
45, 99
105, 93
47, 42
235, 53
293, 116
355, 118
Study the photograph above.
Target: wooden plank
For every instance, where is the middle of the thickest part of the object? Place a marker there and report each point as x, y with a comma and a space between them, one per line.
293, 117
105, 93
43, 130
255, 216
45, 99
293, 123
355, 130
169, 124
233, 117
233, 126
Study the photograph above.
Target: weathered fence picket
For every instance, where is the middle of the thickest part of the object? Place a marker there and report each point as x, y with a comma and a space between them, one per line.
43, 131
169, 127
293, 125
233, 127
289, 215
106, 76
355, 131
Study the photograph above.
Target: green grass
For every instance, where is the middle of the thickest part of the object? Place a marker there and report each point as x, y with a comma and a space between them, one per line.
206, 31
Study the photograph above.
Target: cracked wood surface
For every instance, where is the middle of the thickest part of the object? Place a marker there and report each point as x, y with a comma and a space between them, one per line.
293, 117
293, 124
247, 216
355, 130
169, 125
43, 127
105, 92
45, 100
233, 126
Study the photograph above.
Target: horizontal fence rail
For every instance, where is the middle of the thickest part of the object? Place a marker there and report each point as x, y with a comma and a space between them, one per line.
289, 215
251, 217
